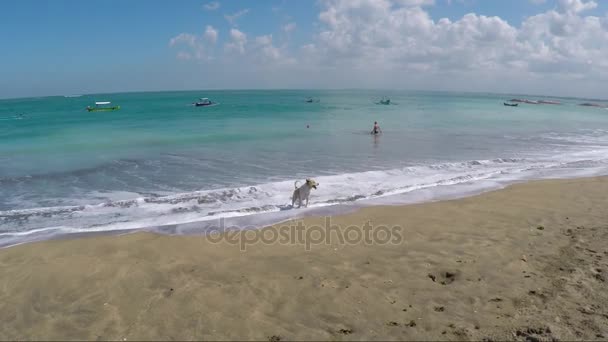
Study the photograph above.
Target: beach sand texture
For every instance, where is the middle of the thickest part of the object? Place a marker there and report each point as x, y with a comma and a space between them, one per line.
529, 261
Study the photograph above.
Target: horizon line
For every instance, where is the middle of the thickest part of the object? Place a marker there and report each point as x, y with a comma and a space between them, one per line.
303, 89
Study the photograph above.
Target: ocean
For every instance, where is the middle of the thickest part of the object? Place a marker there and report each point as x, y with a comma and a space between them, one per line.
161, 162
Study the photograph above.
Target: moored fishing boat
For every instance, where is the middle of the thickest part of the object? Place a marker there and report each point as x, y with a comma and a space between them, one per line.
103, 106
204, 102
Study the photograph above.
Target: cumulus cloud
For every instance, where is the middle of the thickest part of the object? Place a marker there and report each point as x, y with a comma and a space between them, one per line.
183, 38
416, 2
212, 6
576, 6
361, 33
193, 46
237, 42
232, 19
289, 27
397, 43
211, 34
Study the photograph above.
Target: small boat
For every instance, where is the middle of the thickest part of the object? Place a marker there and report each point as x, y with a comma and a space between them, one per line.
204, 102
511, 104
384, 101
312, 100
103, 106
590, 104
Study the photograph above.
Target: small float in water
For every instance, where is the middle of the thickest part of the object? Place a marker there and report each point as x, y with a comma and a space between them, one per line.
204, 102
103, 106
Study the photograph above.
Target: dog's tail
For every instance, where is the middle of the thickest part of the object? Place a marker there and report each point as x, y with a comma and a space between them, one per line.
296, 184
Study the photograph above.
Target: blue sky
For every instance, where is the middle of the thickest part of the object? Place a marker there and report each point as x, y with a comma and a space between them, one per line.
73, 46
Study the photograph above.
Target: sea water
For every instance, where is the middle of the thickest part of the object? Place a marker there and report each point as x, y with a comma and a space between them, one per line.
161, 161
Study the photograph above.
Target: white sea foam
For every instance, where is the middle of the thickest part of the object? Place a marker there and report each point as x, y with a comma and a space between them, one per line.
272, 200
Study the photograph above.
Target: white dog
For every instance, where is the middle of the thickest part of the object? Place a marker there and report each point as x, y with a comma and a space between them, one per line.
303, 192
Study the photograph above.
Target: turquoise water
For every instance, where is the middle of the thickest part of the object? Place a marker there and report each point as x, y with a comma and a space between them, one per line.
160, 160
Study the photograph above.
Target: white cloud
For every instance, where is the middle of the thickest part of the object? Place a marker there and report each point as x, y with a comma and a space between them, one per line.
212, 6
197, 47
211, 34
416, 2
396, 43
238, 41
289, 27
183, 38
364, 34
232, 19
576, 6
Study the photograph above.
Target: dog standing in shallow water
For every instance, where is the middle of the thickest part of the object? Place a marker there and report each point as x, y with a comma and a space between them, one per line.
303, 192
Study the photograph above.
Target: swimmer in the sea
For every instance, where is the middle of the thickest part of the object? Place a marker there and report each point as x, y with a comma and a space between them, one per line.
376, 129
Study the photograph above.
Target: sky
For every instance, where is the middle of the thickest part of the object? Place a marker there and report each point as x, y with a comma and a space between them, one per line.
62, 47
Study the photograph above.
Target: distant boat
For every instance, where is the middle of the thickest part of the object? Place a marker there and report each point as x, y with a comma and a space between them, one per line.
103, 106
511, 104
204, 102
384, 101
588, 104
312, 100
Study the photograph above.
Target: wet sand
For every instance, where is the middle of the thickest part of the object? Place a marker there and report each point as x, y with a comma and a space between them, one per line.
527, 262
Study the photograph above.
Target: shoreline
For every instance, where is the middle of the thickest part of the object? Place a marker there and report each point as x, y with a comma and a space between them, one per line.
525, 261
259, 220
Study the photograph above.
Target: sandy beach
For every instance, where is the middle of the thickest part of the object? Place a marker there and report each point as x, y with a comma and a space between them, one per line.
526, 262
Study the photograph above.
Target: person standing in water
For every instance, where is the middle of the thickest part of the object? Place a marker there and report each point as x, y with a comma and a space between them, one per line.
376, 129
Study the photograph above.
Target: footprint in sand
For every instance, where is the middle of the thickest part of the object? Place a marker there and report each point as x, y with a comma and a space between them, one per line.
345, 331
445, 278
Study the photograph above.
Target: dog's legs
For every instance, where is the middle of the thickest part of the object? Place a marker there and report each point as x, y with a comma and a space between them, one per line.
306, 202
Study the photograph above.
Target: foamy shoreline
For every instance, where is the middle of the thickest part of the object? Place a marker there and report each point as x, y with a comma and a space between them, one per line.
246, 220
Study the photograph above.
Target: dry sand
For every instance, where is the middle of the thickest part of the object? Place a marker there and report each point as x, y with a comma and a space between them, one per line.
527, 262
